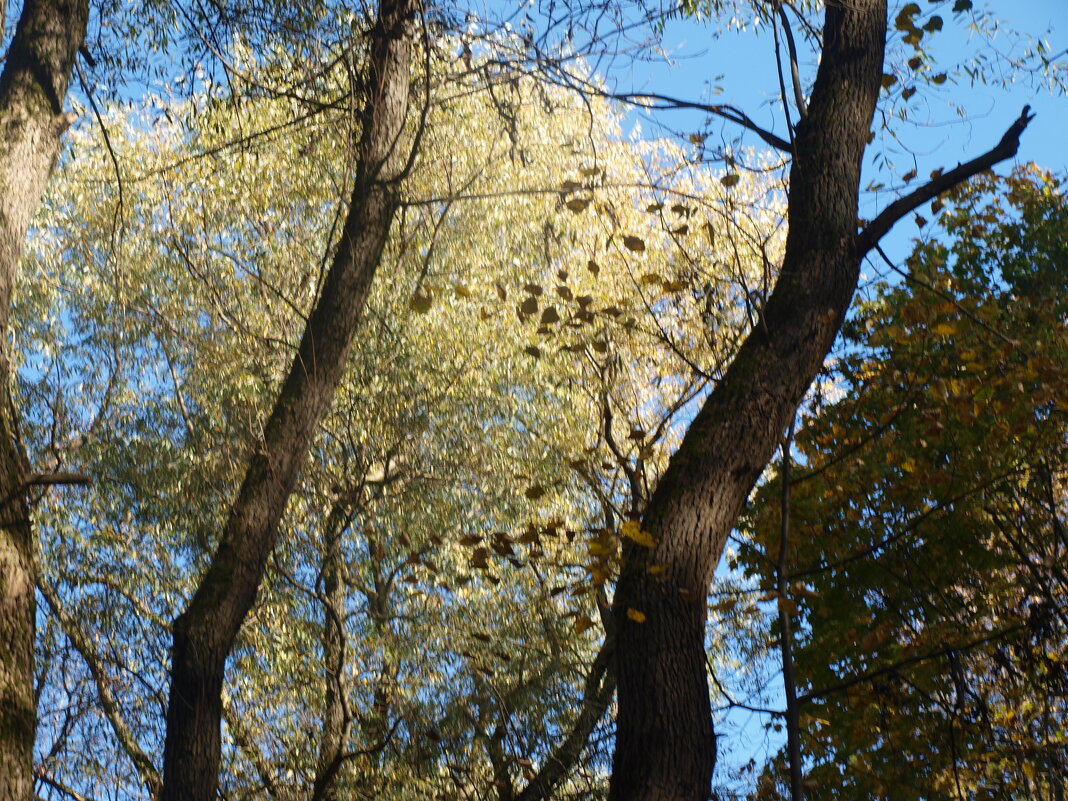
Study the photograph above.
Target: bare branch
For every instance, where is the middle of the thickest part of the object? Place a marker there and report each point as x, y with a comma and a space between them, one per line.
1005, 149
42, 774
727, 112
599, 688
795, 75
912, 660
145, 769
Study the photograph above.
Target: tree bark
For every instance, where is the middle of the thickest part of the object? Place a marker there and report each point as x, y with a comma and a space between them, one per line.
204, 633
33, 87
336, 717
665, 746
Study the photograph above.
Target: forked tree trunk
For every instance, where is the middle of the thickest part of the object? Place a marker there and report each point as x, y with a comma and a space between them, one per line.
665, 747
204, 634
33, 87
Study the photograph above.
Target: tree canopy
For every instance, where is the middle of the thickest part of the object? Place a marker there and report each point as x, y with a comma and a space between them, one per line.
380, 403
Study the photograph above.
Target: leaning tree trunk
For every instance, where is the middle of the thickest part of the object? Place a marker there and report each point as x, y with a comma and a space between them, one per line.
665, 746
204, 633
33, 86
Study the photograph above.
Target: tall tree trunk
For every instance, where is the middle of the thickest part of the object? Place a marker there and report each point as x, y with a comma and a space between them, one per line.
665, 747
204, 633
33, 86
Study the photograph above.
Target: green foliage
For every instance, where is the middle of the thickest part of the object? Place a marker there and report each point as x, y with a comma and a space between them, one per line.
927, 523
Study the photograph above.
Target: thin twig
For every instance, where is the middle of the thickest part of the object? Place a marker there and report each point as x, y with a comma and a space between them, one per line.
793, 725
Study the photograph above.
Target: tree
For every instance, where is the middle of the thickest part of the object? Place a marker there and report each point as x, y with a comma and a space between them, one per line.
33, 86
204, 633
510, 391
665, 744
932, 490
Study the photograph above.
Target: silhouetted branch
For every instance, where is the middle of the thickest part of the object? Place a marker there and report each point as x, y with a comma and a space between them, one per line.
1005, 149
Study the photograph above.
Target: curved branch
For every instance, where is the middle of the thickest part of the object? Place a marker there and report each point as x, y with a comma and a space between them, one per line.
795, 74
886, 219
727, 112
597, 694
145, 769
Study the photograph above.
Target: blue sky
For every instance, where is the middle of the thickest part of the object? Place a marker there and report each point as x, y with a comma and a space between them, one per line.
741, 64
949, 124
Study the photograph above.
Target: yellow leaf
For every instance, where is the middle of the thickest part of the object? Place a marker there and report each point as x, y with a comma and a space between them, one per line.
944, 329
635, 615
581, 624
632, 531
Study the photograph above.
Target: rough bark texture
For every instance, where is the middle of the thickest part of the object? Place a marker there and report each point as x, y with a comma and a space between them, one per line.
204, 634
33, 86
665, 747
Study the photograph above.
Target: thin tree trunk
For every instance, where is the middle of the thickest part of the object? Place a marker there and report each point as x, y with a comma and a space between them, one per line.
600, 686
336, 717
204, 634
33, 87
786, 637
